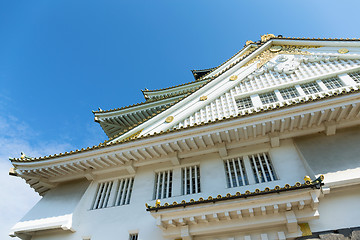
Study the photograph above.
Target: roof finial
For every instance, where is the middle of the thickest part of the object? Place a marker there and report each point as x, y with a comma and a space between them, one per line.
100, 109
248, 42
266, 37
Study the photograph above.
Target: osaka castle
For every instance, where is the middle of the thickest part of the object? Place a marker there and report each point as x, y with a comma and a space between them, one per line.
265, 146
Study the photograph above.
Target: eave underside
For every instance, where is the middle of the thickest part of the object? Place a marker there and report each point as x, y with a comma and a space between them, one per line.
224, 138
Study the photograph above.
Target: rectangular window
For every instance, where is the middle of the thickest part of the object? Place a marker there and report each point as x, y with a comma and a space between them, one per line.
163, 184
133, 236
355, 76
268, 97
311, 88
235, 172
289, 93
123, 191
332, 83
262, 168
190, 180
102, 195
244, 103
113, 193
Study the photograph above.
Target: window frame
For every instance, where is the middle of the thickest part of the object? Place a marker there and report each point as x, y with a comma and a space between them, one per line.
197, 180
113, 191
264, 148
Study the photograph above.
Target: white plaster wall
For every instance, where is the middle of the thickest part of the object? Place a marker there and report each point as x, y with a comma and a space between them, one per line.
337, 157
117, 222
59, 201
339, 209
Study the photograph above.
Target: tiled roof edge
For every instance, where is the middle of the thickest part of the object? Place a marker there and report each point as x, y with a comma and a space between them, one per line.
263, 110
314, 184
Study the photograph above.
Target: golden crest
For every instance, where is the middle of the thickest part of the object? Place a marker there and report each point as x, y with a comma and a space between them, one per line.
169, 119
343, 50
248, 42
135, 135
203, 98
233, 77
266, 37
275, 48
307, 178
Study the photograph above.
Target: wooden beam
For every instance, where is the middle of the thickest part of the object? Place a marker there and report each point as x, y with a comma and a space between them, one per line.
174, 158
237, 135
274, 139
195, 146
330, 128
352, 111
129, 166
211, 140
222, 150
169, 148
227, 134
202, 142
145, 153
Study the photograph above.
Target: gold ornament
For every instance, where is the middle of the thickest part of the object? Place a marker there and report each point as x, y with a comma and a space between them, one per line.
248, 42
275, 49
233, 77
305, 229
158, 202
169, 119
267, 55
266, 37
203, 98
307, 178
343, 50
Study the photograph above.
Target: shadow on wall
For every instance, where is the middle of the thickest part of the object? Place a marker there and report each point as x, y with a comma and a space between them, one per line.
329, 154
59, 201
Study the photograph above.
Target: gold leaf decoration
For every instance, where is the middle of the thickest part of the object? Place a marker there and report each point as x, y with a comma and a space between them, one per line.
203, 98
343, 50
135, 135
233, 77
267, 55
169, 119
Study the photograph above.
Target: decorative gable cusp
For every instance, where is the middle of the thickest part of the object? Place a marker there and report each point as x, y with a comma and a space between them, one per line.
285, 63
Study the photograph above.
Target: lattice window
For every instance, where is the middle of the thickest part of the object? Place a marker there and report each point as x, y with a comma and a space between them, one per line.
311, 88
123, 191
163, 184
102, 195
190, 180
262, 168
289, 93
244, 103
113, 193
133, 236
269, 97
355, 76
235, 172
332, 83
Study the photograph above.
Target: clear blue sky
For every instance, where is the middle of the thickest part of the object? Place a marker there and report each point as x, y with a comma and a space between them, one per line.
61, 59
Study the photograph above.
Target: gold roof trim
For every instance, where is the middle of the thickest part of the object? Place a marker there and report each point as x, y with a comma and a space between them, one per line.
317, 183
343, 91
268, 54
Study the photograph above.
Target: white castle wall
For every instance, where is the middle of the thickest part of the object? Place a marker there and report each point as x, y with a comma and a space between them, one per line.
117, 222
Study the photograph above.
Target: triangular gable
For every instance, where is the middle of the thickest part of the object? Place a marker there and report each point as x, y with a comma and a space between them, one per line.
225, 107
219, 93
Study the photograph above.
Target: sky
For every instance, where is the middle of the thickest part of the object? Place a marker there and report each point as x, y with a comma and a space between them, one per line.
61, 59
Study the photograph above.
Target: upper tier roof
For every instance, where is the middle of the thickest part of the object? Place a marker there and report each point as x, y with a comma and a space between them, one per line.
180, 111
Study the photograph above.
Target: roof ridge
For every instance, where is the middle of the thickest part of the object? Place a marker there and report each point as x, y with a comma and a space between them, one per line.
130, 106
162, 89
